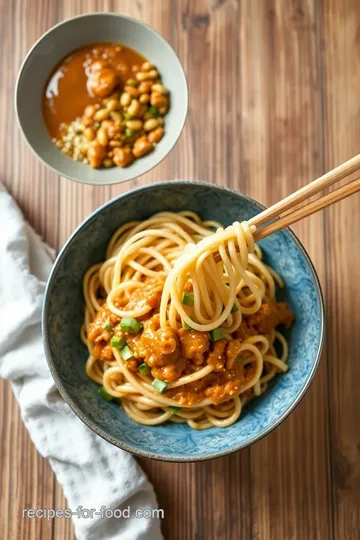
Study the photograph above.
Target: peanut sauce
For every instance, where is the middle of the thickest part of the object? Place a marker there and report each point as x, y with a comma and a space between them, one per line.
68, 91
171, 354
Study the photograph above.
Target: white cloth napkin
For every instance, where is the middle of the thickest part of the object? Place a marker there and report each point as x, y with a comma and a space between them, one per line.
92, 472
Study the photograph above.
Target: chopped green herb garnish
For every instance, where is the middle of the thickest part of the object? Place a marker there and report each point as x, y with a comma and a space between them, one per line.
174, 409
234, 309
108, 327
126, 353
118, 342
160, 386
128, 116
216, 334
144, 368
240, 359
129, 132
186, 325
131, 82
131, 325
154, 111
104, 394
188, 299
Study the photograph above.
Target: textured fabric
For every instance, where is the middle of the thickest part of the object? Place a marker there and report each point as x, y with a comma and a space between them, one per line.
92, 472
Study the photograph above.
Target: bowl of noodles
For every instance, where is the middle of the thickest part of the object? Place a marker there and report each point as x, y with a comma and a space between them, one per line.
171, 333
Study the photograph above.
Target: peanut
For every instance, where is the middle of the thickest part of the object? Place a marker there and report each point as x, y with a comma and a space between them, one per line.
102, 137
134, 108
159, 88
101, 114
156, 135
147, 66
113, 105
108, 163
123, 157
136, 125
150, 124
125, 99
158, 100
116, 116
132, 91
141, 76
144, 98
87, 121
90, 110
89, 134
145, 87
142, 147
95, 154
114, 144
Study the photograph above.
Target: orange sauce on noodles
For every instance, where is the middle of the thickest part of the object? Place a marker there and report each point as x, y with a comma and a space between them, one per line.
171, 354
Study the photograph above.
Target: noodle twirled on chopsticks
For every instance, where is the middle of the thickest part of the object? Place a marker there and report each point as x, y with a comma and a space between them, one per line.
181, 322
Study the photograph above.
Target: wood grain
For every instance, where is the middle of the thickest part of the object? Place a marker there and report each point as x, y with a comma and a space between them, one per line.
281, 149
340, 48
274, 89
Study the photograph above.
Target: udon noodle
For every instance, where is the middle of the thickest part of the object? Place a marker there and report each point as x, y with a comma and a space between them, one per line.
181, 322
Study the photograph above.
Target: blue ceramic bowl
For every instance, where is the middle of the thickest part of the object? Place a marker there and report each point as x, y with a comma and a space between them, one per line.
64, 309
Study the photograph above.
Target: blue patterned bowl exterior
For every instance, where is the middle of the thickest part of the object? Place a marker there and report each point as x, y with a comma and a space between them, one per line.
64, 309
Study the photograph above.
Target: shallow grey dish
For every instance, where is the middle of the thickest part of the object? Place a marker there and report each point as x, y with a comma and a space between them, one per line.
63, 315
60, 41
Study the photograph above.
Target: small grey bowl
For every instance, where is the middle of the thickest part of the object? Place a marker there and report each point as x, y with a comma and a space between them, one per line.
61, 40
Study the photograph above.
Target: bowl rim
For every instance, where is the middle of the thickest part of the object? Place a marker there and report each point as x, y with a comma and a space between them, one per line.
26, 60
83, 415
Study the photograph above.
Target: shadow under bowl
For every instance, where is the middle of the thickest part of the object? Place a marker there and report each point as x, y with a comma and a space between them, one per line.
64, 310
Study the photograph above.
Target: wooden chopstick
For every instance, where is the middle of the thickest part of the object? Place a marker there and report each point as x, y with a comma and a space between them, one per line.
340, 172
289, 204
305, 211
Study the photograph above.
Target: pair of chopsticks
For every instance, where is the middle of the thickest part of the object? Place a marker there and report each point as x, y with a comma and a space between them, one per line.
286, 210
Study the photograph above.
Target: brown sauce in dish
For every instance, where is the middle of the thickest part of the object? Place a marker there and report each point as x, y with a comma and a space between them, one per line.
69, 89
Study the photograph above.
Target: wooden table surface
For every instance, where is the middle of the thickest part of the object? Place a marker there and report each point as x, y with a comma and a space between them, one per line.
274, 102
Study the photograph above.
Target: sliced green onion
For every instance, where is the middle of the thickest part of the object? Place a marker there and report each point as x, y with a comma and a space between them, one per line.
240, 359
128, 116
118, 342
216, 334
188, 299
131, 82
126, 353
129, 132
104, 394
186, 325
174, 409
131, 325
160, 386
144, 368
234, 309
108, 327
154, 111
